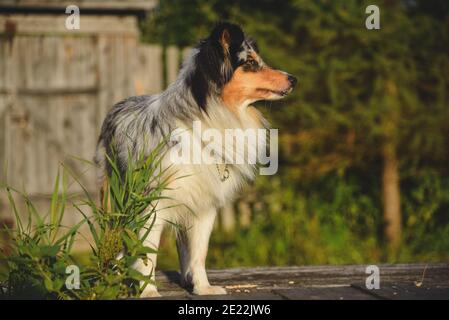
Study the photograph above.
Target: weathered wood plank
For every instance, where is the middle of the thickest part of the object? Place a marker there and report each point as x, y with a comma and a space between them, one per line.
148, 72
310, 280
55, 65
116, 79
261, 295
407, 292
328, 293
82, 4
173, 63
56, 24
45, 131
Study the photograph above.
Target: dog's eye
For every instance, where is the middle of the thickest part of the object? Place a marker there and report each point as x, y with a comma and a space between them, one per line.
251, 63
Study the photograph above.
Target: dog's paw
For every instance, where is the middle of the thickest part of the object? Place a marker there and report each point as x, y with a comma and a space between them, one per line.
150, 293
209, 290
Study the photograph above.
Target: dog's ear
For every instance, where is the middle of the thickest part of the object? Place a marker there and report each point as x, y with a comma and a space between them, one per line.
214, 61
228, 35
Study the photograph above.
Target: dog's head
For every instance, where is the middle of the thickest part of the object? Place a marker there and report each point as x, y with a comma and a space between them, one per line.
227, 63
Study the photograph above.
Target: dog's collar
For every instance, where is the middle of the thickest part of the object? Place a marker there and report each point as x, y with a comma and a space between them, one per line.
226, 173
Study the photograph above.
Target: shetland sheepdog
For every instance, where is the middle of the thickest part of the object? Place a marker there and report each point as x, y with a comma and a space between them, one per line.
216, 86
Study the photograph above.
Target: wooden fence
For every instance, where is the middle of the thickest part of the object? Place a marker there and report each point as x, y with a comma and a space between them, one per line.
55, 89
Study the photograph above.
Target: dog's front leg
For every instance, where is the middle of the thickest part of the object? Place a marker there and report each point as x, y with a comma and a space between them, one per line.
152, 241
192, 243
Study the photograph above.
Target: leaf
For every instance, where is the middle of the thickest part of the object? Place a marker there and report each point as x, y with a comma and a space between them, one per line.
145, 250
48, 284
54, 201
90, 224
49, 251
136, 275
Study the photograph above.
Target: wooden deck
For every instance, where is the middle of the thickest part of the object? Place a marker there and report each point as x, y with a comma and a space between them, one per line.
399, 281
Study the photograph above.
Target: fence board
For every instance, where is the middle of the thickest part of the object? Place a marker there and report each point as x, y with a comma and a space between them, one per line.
56, 87
172, 63
148, 74
41, 139
55, 24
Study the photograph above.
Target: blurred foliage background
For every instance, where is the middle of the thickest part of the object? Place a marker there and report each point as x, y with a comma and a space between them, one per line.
363, 173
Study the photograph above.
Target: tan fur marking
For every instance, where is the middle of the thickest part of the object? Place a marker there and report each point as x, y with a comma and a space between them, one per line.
252, 86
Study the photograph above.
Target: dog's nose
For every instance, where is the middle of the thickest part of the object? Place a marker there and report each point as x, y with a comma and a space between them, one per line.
292, 80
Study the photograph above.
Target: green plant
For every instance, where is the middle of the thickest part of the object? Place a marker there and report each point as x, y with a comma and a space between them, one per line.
120, 226
42, 250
